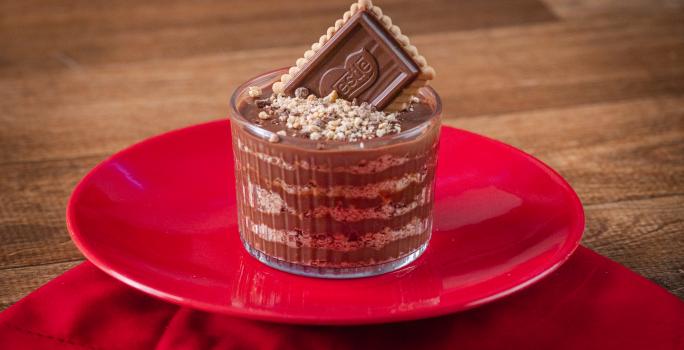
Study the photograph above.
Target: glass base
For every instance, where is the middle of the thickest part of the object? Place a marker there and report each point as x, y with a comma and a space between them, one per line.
335, 273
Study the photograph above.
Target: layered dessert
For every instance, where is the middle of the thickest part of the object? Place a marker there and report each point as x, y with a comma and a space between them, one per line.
335, 157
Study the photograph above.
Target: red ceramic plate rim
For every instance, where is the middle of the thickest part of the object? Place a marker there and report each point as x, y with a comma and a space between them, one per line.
569, 247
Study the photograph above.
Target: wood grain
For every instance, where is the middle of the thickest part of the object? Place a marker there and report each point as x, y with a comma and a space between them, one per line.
593, 88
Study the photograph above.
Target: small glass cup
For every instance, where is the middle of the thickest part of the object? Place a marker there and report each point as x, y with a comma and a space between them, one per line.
334, 209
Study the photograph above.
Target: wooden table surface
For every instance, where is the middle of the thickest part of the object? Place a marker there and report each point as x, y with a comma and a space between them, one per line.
594, 88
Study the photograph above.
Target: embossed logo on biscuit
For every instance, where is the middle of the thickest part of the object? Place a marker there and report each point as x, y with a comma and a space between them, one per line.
359, 72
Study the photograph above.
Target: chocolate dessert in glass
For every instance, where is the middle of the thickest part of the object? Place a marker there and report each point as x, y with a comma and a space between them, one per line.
335, 157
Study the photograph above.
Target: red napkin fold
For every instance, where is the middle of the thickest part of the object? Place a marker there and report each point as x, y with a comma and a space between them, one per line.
589, 303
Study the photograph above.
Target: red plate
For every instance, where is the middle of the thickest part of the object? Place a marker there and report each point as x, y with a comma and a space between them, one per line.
160, 216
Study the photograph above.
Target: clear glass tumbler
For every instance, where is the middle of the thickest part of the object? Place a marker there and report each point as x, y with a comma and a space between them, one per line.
334, 209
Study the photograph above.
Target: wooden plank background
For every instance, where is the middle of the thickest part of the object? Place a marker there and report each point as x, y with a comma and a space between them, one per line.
595, 88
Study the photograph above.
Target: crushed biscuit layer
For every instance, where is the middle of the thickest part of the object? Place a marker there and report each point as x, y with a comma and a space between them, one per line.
329, 118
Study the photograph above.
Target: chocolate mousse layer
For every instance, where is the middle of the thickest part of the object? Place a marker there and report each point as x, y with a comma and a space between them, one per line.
318, 187
322, 257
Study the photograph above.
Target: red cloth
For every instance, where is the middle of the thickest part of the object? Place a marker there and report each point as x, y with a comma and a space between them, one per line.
589, 303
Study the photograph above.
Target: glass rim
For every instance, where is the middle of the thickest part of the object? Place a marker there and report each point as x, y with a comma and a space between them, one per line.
330, 145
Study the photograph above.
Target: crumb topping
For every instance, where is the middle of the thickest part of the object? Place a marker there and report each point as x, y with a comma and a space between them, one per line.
254, 91
327, 118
